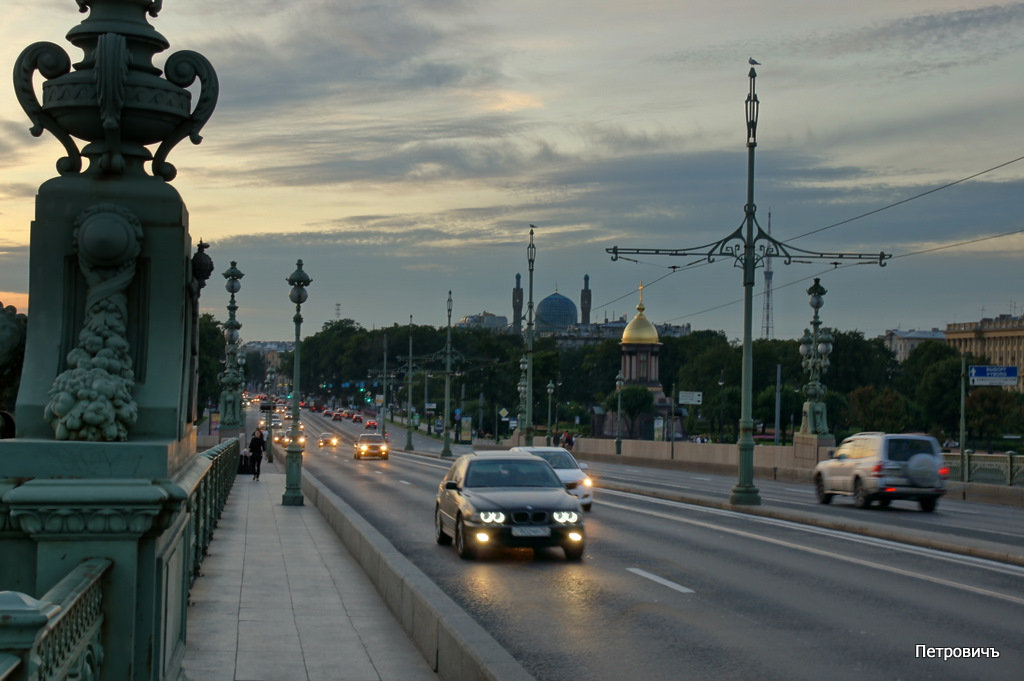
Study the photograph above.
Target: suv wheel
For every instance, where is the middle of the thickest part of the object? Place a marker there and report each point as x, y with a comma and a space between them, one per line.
860, 495
927, 504
819, 490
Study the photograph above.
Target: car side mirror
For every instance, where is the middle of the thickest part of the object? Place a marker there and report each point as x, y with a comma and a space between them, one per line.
451, 484
583, 466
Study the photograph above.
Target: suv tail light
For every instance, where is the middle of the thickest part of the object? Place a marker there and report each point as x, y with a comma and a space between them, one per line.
944, 471
879, 470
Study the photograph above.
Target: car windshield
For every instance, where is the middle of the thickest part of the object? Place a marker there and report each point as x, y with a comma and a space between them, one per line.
511, 473
902, 449
371, 438
558, 459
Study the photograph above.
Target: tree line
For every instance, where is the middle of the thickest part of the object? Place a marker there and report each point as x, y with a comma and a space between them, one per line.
867, 388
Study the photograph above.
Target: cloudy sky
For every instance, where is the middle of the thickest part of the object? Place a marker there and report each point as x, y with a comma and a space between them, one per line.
402, 148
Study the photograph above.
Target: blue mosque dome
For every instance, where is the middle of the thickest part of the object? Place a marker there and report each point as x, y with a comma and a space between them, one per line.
556, 313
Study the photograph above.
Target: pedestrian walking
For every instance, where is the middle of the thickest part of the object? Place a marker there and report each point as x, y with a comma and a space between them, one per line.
256, 447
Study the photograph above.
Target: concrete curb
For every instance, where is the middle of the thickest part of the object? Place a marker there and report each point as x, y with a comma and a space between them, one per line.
451, 641
923, 539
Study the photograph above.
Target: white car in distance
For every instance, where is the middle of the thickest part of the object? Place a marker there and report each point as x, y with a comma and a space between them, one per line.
572, 473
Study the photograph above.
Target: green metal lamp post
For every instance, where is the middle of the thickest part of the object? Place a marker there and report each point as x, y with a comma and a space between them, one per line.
815, 347
231, 378
408, 396
299, 280
446, 450
619, 380
551, 391
271, 378
743, 248
531, 257
521, 389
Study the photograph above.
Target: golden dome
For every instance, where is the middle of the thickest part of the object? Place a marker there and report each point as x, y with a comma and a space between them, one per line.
640, 329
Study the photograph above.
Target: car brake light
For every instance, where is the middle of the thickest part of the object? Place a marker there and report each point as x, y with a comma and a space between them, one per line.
890, 489
944, 471
877, 471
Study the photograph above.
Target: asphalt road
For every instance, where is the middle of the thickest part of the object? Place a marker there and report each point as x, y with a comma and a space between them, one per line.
669, 590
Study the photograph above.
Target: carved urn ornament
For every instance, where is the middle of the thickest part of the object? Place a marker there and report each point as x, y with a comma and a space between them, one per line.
115, 99
122, 226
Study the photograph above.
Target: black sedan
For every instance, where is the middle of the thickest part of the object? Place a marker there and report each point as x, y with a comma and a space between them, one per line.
506, 499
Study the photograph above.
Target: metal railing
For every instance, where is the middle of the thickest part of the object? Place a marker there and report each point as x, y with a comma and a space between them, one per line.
993, 469
208, 496
57, 636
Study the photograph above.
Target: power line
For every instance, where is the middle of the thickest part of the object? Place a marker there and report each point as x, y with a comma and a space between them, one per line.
676, 268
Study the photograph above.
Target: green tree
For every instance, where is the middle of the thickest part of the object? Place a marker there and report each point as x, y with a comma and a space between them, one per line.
636, 400
989, 411
211, 358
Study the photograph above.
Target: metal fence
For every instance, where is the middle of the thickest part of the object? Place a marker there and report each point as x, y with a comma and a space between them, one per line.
992, 469
59, 636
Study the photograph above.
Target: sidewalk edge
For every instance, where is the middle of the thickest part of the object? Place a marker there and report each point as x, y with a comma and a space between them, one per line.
451, 641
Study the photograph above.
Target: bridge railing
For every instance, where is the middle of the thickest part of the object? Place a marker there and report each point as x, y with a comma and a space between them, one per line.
994, 469
207, 496
57, 636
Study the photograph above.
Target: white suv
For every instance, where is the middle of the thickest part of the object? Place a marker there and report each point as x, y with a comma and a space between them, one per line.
882, 467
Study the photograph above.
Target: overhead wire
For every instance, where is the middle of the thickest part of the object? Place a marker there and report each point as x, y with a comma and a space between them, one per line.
702, 261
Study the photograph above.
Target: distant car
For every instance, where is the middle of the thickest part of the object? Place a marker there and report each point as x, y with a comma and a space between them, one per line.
346, 414
569, 471
357, 418
328, 413
327, 440
371, 424
337, 416
370, 444
881, 467
512, 499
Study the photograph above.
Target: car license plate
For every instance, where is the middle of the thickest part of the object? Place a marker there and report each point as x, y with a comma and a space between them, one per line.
531, 531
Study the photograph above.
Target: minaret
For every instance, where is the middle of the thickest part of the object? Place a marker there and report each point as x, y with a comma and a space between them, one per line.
585, 301
517, 306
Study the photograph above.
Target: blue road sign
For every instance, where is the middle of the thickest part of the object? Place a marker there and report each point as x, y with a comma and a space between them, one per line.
992, 375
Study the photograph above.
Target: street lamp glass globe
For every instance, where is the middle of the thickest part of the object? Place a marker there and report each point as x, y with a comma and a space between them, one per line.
298, 295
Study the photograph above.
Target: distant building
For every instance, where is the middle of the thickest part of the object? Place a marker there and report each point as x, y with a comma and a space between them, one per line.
484, 320
999, 341
902, 343
556, 317
555, 314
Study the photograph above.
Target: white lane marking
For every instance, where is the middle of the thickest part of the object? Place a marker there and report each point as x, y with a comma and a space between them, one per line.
660, 580
405, 482
826, 554
846, 535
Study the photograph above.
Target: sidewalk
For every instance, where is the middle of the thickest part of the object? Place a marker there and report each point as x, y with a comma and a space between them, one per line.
280, 598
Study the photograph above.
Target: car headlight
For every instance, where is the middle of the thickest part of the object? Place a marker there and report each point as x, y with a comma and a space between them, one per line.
496, 517
383, 448
587, 482
565, 516
363, 448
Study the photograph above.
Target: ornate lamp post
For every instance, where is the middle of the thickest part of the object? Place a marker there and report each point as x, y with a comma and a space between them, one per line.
408, 396
271, 378
619, 380
748, 249
230, 378
299, 280
446, 450
815, 347
551, 391
531, 256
